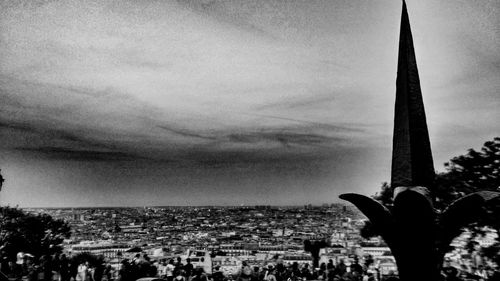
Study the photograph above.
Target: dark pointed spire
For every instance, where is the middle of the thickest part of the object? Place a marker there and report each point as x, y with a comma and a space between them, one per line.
411, 153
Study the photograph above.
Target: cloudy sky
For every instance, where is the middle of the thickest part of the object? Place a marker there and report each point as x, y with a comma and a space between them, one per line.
119, 103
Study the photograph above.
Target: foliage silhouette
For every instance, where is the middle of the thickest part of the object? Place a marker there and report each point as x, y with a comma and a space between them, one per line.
37, 234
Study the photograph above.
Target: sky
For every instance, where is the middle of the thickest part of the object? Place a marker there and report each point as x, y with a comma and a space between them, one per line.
226, 102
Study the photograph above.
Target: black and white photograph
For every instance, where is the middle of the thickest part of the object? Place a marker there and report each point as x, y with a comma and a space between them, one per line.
249, 140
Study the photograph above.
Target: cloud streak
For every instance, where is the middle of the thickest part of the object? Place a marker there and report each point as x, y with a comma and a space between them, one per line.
58, 153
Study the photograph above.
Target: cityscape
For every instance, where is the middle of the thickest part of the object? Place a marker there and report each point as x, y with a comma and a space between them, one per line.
228, 238
228, 140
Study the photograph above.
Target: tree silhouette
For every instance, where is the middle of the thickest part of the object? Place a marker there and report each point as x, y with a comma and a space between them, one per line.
38, 234
314, 247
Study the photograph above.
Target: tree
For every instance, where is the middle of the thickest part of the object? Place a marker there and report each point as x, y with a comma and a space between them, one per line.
314, 247
472, 172
37, 234
475, 171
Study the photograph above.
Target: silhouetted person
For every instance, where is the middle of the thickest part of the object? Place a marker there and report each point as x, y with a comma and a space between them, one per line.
45, 269
31, 270
280, 272
124, 273
169, 270
99, 269
322, 273
73, 269
144, 267
188, 268
246, 275
4, 261
341, 268
217, 275
108, 272
356, 267
305, 273
64, 268
198, 275
271, 274
178, 267
56, 267
13, 270
180, 276
330, 264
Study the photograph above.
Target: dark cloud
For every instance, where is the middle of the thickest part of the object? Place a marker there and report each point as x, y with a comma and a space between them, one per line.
314, 124
252, 145
80, 155
39, 128
285, 138
287, 135
251, 159
273, 147
39, 133
24, 127
185, 132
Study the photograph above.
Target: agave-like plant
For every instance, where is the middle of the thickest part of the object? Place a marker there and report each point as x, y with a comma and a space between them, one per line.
417, 235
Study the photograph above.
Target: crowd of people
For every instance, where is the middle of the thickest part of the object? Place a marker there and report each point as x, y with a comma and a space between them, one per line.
294, 272
61, 268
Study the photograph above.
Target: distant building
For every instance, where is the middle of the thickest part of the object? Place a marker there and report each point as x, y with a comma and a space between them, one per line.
228, 265
376, 251
131, 228
106, 249
298, 258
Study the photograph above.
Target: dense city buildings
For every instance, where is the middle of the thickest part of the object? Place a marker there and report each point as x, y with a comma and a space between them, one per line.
225, 239
230, 235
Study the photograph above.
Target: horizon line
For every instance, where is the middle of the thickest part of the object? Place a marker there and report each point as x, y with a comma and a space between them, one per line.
182, 206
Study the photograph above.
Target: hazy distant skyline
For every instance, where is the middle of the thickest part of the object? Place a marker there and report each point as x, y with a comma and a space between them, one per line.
132, 103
